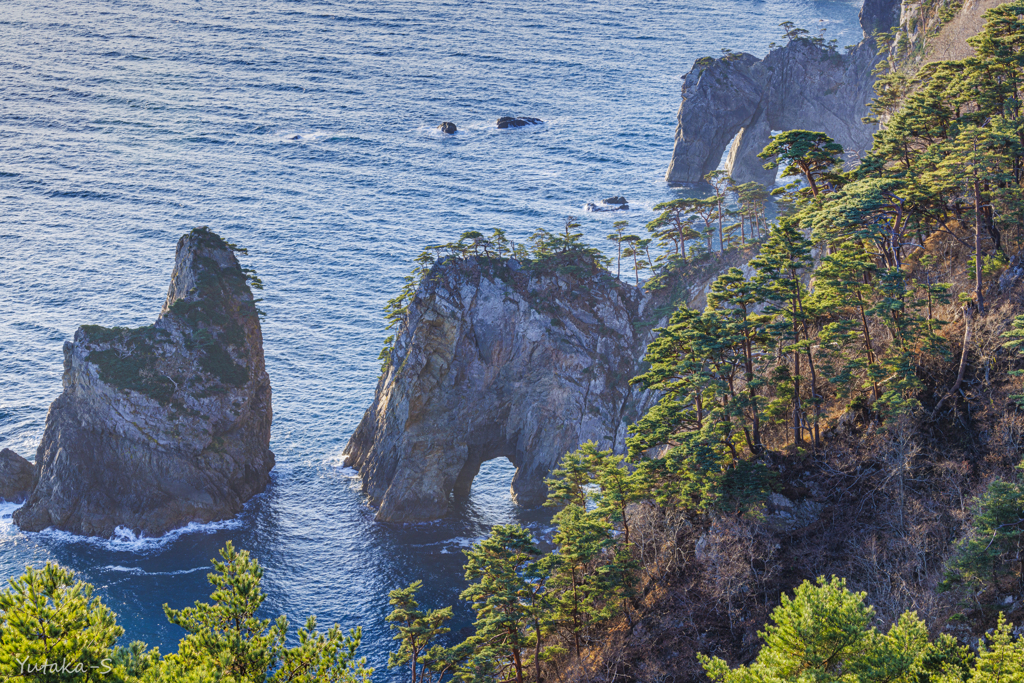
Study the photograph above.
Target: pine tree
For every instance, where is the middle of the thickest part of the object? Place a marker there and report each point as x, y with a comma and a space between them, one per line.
737, 299
720, 183
674, 225
784, 258
617, 489
994, 549
416, 630
581, 537
815, 156
617, 237
824, 633
500, 595
1000, 656
226, 638
50, 623
571, 480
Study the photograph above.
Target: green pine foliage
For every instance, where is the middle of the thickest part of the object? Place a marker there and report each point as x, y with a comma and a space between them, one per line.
417, 632
992, 556
53, 629
825, 632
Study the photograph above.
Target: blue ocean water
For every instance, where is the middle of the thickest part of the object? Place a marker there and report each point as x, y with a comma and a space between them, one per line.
305, 131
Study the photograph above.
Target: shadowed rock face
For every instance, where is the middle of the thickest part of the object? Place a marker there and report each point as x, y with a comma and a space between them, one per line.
162, 425
496, 360
796, 87
15, 476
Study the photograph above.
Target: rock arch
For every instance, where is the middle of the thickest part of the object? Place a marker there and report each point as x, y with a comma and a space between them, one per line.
798, 86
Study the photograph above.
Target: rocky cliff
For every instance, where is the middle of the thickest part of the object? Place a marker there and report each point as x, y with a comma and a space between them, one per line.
802, 85
498, 359
938, 30
161, 425
15, 476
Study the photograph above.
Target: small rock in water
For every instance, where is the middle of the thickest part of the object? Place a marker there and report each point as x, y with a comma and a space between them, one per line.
610, 204
517, 121
15, 476
448, 128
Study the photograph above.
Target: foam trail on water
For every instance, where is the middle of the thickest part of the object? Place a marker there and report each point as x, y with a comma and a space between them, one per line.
139, 571
125, 540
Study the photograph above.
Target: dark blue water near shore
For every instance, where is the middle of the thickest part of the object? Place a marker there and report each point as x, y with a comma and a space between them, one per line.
305, 131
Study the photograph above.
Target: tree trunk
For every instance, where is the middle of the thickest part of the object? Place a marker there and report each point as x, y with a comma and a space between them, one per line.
796, 382
977, 246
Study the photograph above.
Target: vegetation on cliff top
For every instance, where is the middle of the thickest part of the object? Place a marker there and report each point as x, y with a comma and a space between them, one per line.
210, 318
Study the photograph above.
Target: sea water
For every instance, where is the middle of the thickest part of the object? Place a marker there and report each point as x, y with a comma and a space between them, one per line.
306, 132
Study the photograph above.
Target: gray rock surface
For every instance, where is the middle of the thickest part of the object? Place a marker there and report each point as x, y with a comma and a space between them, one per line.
800, 86
161, 425
495, 359
517, 121
448, 128
616, 203
15, 476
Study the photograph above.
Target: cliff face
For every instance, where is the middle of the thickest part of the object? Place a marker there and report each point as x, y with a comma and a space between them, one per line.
162, 425
497, 360
929, 32
798, 86
15, 476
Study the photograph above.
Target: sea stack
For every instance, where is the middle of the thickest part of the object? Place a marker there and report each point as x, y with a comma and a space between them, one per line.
161, 425
497, 360
736, 101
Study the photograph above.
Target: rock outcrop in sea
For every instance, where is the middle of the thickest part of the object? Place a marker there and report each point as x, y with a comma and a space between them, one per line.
800, 86
517, 121
15, 476
162, 425
501, 359
616, 203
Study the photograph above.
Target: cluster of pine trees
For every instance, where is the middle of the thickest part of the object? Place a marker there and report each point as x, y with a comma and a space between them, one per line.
54, 630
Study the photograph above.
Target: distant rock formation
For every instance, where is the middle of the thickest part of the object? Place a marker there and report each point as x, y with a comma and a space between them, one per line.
517, 121
161, 425
15, 476
497, 360
799, 86
448, 128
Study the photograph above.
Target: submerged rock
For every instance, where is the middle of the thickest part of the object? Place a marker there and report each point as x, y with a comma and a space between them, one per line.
501, 359
800, 86
517, 121
161, 425
448, 128
15, 476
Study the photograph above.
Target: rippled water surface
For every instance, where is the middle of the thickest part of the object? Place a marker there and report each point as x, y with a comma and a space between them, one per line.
305, 131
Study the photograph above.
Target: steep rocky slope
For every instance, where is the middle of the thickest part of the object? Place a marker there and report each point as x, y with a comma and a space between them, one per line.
498, 359
934, 31
161, 425
798, 86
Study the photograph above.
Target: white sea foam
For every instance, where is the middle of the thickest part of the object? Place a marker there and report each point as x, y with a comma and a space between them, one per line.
293, 136
457, 545
7, 528
124, 540
139, 571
